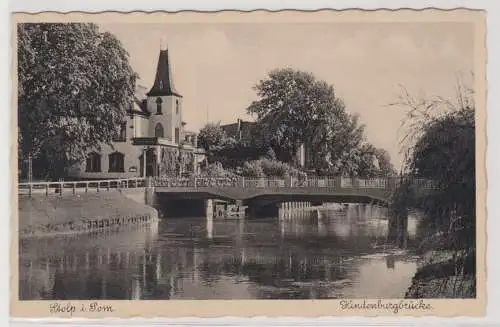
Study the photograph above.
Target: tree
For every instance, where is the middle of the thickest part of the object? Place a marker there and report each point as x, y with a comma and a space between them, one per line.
294, 108
211, 136
385, 166
440, 146
75, 85
367, 158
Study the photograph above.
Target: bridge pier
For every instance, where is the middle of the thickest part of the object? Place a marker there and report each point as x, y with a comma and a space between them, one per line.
210, 224
257, 208
209, 208
398, 226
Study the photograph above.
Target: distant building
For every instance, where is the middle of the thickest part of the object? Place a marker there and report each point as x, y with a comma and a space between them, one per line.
244, 131
241, 130
152, 140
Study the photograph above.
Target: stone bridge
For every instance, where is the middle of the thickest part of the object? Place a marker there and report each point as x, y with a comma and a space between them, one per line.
341, 190
338, 189
196, 193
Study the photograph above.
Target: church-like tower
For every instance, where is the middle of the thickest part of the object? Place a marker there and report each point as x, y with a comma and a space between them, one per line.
165, 103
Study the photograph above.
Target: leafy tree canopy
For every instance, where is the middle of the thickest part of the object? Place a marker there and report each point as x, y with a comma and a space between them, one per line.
294, 107
440, 146
211, 136
385, 166
75, 85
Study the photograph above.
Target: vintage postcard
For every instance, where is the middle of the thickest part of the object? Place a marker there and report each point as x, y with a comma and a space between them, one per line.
327, 163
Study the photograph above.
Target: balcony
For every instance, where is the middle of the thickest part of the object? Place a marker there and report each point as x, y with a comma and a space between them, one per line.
153, 141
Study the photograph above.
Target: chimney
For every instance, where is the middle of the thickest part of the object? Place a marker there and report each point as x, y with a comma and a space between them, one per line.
239, 129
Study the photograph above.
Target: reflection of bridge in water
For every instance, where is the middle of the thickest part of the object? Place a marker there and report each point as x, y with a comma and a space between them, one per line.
163, 275
193, 196
152, 270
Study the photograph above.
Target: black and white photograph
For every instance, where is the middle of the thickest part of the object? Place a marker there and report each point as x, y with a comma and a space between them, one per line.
247, 160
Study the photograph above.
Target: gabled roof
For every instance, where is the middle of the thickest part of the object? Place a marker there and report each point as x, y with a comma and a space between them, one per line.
164, 84
140, 106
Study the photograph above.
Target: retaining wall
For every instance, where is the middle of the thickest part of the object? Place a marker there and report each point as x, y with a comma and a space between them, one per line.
41, 215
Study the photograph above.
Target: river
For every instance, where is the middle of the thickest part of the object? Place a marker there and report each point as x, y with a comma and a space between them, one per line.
296, 257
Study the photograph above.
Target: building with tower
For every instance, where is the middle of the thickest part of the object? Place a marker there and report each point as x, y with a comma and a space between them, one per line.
152, 140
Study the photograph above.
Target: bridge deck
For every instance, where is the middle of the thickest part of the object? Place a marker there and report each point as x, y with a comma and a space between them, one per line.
336, 189
292, 193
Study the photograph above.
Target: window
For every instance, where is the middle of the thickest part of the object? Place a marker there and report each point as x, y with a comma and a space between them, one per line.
116, 162
123, 132
137, 127
159, 130
93, 163
177, 106
177, 135
159, 101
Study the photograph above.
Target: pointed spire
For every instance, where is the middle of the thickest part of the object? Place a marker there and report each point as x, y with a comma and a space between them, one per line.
163, 44
164, 84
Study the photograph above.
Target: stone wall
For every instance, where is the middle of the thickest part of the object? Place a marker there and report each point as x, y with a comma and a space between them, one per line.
48, 215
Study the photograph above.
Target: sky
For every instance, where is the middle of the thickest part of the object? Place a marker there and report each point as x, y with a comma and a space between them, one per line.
216, 65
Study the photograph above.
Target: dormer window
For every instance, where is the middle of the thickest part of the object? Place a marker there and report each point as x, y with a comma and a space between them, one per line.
159, 102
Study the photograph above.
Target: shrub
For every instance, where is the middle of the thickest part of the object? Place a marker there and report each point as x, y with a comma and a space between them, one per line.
216, 170
274, 168
253, 169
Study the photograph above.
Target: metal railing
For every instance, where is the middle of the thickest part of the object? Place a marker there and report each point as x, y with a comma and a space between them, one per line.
316, 182
217, 182
75, 187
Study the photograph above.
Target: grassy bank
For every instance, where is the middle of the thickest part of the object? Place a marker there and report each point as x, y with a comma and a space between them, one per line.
439, 277
41, 215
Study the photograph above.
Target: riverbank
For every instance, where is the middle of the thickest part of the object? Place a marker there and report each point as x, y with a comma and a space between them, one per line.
437, 278
41, 215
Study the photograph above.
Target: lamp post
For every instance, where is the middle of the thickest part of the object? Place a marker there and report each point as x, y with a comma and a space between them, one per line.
144, 151
30, 168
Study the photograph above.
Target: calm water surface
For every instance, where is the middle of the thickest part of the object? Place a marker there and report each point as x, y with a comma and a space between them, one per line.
295, 257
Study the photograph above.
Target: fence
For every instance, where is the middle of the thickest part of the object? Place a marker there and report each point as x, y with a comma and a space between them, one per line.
218, 182
79, 186
316, 182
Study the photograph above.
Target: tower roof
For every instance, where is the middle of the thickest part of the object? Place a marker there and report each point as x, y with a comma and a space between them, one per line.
164, 84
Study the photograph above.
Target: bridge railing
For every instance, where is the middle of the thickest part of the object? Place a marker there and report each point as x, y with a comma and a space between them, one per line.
263, 183
217, 182
79, 186
197, 182
173, 182
315, 182
220, 182
425, 184
373, 183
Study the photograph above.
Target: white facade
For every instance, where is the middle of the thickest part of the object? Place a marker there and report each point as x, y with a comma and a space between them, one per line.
151, 141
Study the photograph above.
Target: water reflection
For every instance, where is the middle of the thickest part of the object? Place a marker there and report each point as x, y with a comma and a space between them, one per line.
295, 256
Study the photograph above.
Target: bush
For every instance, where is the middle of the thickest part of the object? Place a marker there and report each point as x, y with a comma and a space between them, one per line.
273, 168
270, 154
216, 170
253, 169
270, 168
